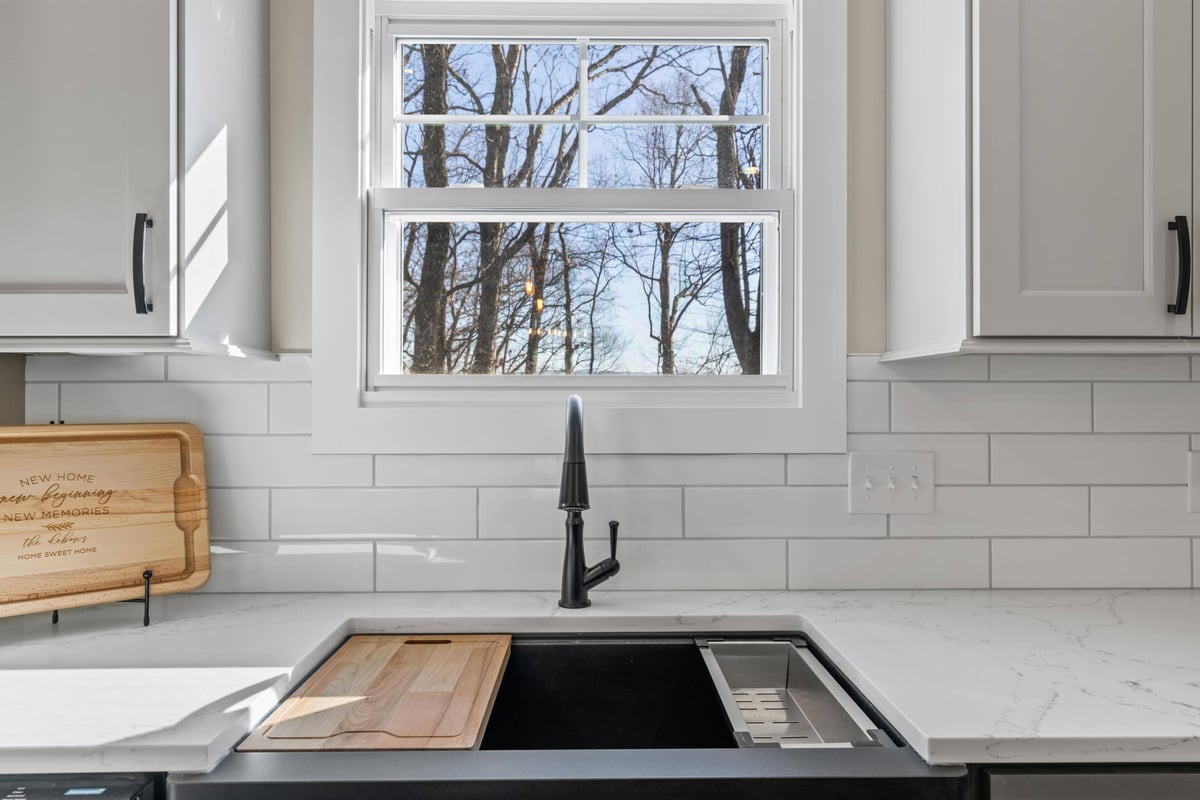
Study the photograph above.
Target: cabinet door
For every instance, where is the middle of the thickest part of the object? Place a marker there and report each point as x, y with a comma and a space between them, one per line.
87, 96
1083, 151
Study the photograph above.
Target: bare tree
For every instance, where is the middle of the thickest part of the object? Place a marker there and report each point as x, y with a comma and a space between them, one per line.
734, 282
430, 307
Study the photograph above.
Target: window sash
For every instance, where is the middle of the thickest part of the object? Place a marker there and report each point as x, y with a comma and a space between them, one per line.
778, 328
778, 137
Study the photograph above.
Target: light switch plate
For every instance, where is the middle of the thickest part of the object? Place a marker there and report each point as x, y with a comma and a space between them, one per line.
1194, 482
891, 483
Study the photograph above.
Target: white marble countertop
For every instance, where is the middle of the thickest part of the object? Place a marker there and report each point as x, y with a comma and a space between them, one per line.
964, 676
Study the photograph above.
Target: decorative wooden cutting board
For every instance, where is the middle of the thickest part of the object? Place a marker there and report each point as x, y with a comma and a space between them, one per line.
392, 693
86, 509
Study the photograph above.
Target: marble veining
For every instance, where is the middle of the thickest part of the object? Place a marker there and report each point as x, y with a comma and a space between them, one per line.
965, 676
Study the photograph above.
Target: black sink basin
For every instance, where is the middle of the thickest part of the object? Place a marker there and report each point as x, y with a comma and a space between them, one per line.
577, 694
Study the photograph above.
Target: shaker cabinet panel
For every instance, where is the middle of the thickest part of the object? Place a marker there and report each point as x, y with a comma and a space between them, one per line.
1083, 151
87, 96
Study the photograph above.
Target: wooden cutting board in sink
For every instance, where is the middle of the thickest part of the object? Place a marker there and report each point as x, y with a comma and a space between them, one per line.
392, 692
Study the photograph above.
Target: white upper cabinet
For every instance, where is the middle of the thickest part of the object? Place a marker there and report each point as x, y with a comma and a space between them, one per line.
1083, 131
134, 175
87, 144
1036, 152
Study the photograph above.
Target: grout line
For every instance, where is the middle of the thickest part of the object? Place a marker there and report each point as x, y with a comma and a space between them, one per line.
270, 514
891, 407
1089, 510
989, 367
478, 503
1092, 405
991, 579
787, 564
989, 458
683, 512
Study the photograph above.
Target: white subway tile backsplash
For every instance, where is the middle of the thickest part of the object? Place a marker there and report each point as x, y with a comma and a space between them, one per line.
213, 407
710, 564
1028, 493
775, 512
816, 469
991, 407
252, 461
1142, 511
290, 408
224, 369
700, 470
373, 513
532, 513
958, 368
238, 514
468, 470
958, 458
867, 407
291, 567
1091, 563
41, 403
94, 368
888, 564
1090, 368
452, 565
1090, 459
1147, 407
984, 511
537, 565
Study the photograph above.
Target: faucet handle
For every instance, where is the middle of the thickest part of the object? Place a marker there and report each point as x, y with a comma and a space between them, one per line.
612, 537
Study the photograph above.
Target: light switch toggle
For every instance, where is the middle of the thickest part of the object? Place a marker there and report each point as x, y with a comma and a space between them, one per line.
909, 478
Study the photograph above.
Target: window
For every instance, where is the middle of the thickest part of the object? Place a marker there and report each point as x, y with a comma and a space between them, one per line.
591, 197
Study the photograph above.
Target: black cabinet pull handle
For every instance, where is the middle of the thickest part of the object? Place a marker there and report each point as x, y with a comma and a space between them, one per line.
1180, 226
141, 223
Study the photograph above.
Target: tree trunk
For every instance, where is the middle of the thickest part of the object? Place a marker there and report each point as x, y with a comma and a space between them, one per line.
737, 309
666, 328
491, 234
568, 326
539, 259
429, 308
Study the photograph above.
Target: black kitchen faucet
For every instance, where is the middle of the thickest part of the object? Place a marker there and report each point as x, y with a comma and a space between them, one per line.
577, 577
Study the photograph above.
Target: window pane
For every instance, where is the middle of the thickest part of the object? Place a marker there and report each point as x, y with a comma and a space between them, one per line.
535, 78
634, 298
541, 156
675, 79
675, 156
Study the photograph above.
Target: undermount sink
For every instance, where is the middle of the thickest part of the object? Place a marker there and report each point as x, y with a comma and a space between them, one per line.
611, 715
671, 692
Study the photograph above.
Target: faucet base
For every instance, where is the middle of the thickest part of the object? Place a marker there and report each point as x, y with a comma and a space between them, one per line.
584, 604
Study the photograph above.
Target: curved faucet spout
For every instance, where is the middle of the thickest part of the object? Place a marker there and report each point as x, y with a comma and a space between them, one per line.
573, 488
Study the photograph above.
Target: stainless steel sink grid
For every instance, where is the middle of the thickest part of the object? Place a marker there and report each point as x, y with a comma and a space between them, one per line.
776, 693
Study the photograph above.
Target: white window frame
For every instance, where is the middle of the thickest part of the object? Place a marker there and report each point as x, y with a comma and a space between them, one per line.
801, 410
